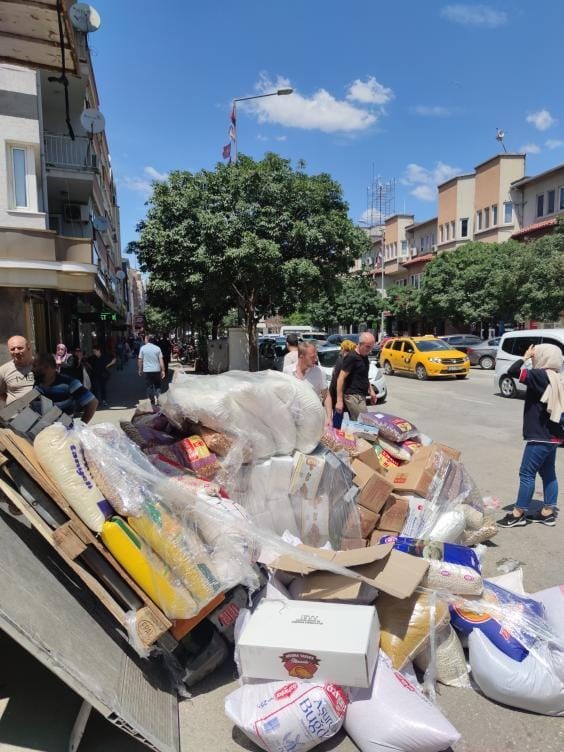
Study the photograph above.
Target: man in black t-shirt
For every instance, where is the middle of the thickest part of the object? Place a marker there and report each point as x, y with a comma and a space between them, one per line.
353, 385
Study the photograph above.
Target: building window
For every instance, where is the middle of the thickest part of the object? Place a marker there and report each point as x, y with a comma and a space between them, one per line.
19, 189
561, 202
447, 231
441, 232
486, 217
464, 228
540, 205
507, 212
453, 230
494, 215
550, 201
479, 220
404, 247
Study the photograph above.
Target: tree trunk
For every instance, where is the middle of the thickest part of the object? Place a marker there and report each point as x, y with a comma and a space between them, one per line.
214, 328
252, 335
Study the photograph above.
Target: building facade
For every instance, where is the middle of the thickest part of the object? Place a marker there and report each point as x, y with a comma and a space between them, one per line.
538, 201
61, 274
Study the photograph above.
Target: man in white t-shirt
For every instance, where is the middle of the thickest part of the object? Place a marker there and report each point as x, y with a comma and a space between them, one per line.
150, 364
306, 369
16, 376
291, 356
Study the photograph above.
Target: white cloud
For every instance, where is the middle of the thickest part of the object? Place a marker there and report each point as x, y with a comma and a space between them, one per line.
530, 149
542, 120
320, 111
553, 143
138, 185
424, 182
281, 138
432, 111
155, 174
474, 15
372, 217
369, 92
260, 137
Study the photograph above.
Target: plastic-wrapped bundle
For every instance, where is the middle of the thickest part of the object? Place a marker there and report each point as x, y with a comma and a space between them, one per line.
450, 662
59, 451
104, 443
148, 570
393, 715
180, 547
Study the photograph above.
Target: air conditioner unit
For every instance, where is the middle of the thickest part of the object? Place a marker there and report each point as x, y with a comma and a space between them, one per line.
77, 213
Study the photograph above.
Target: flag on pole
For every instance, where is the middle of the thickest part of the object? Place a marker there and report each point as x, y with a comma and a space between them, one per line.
233, 117
232, 132
227, 151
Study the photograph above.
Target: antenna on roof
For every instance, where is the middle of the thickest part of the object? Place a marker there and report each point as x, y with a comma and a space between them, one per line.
499, 136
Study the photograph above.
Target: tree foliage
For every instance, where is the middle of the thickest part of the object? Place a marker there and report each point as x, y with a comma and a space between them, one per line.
258, 235
357, 302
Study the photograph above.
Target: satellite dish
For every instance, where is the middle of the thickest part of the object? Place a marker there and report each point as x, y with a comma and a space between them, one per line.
500, 135
100, 223
84, 17
92, 120
120, 274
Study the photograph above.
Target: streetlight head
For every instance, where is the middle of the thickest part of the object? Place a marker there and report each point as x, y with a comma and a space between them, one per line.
283, 92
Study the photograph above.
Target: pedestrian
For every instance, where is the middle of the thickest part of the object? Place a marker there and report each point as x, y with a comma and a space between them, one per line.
306, 369
347, 346
353, 385
120, 353
151, 365
61, 355
99, 370
16, 376
544, 405
66, 393
165, 347
291, 356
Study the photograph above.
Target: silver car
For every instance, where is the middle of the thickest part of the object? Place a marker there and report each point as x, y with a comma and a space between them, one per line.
483, 354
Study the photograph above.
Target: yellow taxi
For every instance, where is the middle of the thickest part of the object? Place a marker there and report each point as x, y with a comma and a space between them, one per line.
423, 356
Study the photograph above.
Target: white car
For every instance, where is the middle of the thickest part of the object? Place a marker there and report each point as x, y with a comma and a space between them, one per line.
513, 345
327, 358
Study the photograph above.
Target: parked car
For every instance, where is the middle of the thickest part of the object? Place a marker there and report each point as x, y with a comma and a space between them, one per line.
271, 351
484, 353
425, 357
327, 357
513, 346
336, 339
461, 341
318, 336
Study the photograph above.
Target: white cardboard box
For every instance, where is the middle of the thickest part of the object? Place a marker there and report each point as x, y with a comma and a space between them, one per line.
309, 640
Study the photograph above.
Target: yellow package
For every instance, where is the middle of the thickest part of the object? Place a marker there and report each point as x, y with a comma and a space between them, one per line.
148, 570
180, 547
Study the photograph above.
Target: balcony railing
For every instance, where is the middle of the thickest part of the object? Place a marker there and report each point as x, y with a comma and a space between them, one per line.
62, 151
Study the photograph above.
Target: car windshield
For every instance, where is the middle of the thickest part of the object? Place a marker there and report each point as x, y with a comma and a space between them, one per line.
327, 358
432, 344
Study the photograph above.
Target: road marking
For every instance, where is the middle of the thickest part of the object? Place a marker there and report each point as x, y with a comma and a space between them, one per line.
469, 399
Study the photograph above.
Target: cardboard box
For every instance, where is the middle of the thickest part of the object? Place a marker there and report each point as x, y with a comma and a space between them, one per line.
374, 488
416, 476
306, 474
368, 521
394, 513
379, 535
319, 641
351, 544
381, 567
370, 458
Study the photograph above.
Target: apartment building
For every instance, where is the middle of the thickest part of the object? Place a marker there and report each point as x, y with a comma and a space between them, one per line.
395, 250
538, 201
61, 275
422, 247
455, 212
493, 205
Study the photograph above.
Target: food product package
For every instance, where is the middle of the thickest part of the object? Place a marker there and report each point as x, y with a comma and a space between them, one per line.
60, 454
450, 662
193, 453
394, 715
390, 427
280, 716
398, 451
338, 440
145, 436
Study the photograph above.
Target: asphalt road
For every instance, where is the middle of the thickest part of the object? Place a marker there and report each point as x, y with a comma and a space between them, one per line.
467, 415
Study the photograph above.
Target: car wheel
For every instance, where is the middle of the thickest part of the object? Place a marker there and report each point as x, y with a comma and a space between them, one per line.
507, 386
388, 370
421, 372
487, 362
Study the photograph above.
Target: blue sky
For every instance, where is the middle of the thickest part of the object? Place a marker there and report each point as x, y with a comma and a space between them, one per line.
411, 91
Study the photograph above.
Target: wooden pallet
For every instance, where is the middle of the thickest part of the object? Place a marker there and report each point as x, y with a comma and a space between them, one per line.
27, 487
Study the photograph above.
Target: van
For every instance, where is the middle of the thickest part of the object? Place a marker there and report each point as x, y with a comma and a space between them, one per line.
291, 329
513, 345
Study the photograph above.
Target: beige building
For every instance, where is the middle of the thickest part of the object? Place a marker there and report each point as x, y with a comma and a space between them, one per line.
455, 212
422, 248
61, 275
538, 201
494, 219
395, 246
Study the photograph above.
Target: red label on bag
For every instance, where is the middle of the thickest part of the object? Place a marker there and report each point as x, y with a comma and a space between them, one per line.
338, 698
286, 691
300, 665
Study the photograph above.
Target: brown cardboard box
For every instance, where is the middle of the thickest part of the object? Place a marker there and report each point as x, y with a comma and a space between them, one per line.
362, 445
378, 534
394, 513
380, 567
350, 544
374, 488
370, 458
453, 454
368, 521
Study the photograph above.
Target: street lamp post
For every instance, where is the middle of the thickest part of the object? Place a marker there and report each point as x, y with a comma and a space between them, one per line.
277, 93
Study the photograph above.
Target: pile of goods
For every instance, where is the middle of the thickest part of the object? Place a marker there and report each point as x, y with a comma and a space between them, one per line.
366, 535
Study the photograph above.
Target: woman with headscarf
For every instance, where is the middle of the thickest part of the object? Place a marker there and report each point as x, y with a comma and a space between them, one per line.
61, 355
542, 431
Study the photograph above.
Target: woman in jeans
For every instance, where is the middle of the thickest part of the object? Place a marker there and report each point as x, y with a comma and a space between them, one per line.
544, 404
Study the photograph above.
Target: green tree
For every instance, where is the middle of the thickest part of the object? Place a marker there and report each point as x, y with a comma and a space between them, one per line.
357, 302
159, 320
537, 279
258, 235
404, 302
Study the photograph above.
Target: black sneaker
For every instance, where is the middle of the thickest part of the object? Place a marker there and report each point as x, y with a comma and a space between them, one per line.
510, 521
544, 519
